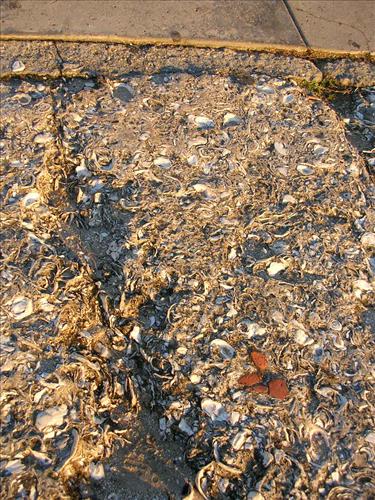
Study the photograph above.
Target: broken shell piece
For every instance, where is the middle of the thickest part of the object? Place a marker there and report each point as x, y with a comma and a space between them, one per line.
251, 328
276, 267
360, 286
82, 171
203, 122
250, 379
22, 307
162, 162
278, 389
124, 92
31, 199
305, 169
368, 240
195, 379
254, 495
288, 198
24, 99
43, 138
370, 438
185, 427
239, 440
231, 120
192, 160
320, 150
259, 360
302, 339
18, 66
135, 334
14, 467
280, 148
96, 471
214, 410
51, 417
288, 99
226, 350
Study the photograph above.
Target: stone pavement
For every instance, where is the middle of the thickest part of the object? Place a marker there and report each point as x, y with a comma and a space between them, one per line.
299, 25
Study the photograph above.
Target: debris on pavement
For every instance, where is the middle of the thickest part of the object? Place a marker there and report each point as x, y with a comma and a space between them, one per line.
197, 248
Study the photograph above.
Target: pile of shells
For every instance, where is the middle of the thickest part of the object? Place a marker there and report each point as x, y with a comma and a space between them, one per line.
198, 249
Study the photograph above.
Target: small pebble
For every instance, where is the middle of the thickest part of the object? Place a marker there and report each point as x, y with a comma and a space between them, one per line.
18, 66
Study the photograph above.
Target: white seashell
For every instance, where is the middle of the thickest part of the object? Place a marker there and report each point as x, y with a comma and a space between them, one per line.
51, 417
232, 254
288, 198
276, 267
185, 427
135, 334
320, 150
254, 495
267, 458
197, 141
368, 240
96, 471
304, 169
288, 99
280, 148
32, 198
252, 329
82, 171
265, 89
200, 188
370, 438
195, 379
18, 66
231, 120
24, 99
22, 307
43, 138
360, 286
226, 350
192, 160
302, 339
162, 162
239, 440
14, 467
214, 410
203, 122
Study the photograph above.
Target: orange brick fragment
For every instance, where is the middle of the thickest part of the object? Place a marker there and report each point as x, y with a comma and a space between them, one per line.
259, 388
259, 360
250, 379
278, 388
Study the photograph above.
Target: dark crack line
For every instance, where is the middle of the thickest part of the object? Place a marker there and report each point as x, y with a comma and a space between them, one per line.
339, 23
295, 22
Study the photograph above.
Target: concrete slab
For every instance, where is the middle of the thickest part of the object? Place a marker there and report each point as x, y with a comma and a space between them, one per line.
235, 23
337, 25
